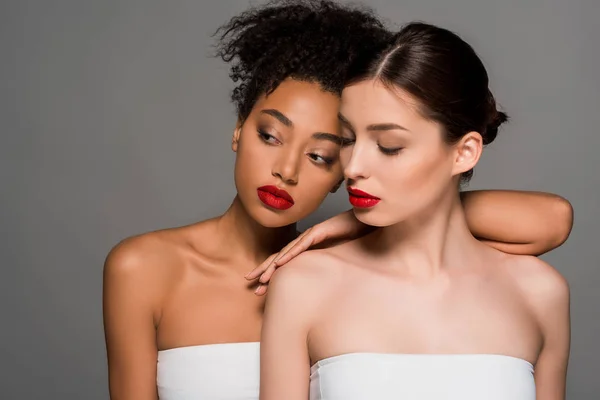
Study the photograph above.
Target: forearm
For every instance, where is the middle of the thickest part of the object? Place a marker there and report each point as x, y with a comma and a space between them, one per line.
516, 221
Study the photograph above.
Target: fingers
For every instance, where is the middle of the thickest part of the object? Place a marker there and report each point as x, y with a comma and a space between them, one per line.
256, 272
266, 276
261, 290
302, 245
293, 249
266, 269
290, 246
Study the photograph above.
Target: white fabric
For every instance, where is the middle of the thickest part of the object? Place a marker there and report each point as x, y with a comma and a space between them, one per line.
371, 376
209, 372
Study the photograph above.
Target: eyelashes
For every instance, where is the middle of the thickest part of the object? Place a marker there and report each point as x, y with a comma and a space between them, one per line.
267, 138
316, 158
321, 159
345, 142
389, 151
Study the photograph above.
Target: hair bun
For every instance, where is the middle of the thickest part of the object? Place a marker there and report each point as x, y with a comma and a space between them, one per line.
495, 119
491, 130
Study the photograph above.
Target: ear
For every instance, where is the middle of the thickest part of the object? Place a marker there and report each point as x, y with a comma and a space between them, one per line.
337, 186
467, 152
236, 136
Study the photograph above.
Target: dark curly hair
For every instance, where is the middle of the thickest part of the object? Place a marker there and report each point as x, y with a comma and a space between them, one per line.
308, 40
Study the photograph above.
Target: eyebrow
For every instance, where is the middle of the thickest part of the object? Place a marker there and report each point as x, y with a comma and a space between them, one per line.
287, 122
279, 116
328, 136
388, 126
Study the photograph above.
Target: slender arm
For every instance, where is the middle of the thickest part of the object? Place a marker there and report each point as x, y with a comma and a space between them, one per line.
518, 222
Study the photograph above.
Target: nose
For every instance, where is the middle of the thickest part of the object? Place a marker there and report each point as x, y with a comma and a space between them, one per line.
355, 162
287, 167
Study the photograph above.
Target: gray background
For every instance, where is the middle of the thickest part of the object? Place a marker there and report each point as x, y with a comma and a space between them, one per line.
115, 121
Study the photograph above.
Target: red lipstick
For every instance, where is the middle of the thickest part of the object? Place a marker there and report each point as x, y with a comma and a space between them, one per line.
274, 197
360, 199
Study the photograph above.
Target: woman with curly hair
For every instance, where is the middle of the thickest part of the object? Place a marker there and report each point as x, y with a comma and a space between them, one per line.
181, 322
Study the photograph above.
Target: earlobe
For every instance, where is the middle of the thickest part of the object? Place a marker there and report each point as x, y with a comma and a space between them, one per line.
468, 152
236, 136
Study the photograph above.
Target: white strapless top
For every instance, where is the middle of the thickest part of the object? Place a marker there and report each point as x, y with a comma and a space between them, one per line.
372, 376
227, 371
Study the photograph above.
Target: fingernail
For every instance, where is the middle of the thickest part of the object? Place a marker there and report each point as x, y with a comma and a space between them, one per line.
256, 291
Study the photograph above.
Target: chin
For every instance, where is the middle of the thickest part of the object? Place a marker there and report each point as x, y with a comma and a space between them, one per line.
271, 218
372, 217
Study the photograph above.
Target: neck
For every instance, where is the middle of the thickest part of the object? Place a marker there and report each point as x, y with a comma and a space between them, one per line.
426, 245
241, 236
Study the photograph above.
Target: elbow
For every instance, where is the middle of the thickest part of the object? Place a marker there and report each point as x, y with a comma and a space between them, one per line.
563, 222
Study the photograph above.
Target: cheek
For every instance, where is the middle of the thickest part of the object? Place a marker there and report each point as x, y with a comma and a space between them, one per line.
252, 155
249, 146
251, 167
421, 173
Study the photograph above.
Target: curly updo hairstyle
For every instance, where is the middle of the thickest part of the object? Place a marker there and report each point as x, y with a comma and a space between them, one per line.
308, 40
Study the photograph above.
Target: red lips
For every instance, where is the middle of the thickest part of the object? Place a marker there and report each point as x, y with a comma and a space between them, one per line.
360, 199
274, 197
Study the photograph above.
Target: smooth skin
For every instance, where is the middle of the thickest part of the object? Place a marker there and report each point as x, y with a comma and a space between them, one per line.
472, 298
515, 222
185, 286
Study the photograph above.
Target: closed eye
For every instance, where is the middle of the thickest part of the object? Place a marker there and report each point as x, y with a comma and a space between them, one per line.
347, 141
389, 151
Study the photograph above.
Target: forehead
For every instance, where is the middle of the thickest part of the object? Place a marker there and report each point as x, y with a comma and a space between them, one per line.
306, 104
372, 102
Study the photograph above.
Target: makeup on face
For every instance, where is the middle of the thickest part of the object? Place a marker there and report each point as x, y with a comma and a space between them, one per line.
361, 199
323, 147
274, 197
323, 150
288, 158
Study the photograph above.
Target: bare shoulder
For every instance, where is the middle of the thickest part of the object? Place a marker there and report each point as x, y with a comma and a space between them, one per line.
311, 274
155, 252
542, 284
305, 267
139, 256
147, 264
